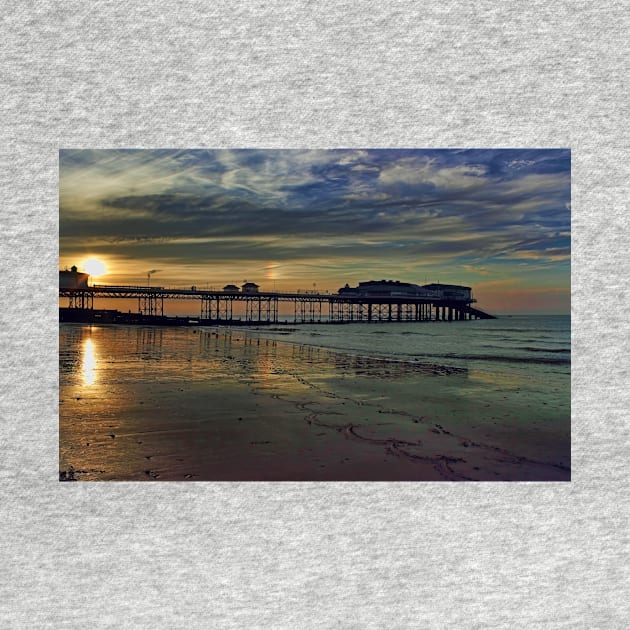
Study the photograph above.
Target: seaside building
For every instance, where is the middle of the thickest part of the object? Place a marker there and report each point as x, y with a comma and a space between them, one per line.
231, 288
385, 288
395, 288
73, 279
450, 291
250, 287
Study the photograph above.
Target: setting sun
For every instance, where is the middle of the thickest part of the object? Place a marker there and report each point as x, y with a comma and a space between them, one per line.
94, 267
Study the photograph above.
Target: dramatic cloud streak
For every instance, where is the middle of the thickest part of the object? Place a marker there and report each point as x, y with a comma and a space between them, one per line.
340, 215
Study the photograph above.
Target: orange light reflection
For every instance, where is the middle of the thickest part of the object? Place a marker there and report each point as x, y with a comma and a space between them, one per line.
89, 363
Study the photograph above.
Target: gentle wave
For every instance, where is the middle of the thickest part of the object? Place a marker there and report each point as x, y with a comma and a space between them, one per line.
549, 350
510, 359
370, 362
517, 333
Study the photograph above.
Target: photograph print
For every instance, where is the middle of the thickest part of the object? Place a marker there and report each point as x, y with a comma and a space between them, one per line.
315, 315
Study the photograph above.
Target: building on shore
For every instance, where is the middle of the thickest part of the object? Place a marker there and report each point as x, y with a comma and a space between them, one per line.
73, 279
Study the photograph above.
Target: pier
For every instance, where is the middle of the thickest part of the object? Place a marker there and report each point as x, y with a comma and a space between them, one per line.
231, 307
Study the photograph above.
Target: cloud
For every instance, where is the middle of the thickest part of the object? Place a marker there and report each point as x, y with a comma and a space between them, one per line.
426, 174
474, 209
550, 254
481, 271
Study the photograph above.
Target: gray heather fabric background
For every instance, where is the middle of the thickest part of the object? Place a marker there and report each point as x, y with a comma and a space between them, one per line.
305, 74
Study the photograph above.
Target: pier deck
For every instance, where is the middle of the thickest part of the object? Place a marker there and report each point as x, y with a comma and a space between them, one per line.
262, 307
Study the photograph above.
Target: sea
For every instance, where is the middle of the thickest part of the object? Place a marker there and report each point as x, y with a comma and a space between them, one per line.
521, 344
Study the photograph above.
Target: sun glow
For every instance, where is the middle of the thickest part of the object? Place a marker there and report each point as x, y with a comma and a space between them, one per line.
94, 267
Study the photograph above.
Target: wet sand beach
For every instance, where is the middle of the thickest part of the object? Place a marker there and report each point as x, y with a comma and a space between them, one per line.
143, 403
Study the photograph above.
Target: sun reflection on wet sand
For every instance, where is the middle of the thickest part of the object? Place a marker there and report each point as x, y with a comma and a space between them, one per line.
89, 363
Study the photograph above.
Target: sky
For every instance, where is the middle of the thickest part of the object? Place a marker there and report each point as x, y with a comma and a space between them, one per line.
497, 220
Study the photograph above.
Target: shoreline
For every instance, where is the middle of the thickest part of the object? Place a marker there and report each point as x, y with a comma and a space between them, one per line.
222, 406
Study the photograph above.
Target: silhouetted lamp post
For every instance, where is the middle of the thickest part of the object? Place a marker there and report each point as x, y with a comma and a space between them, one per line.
149, 274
